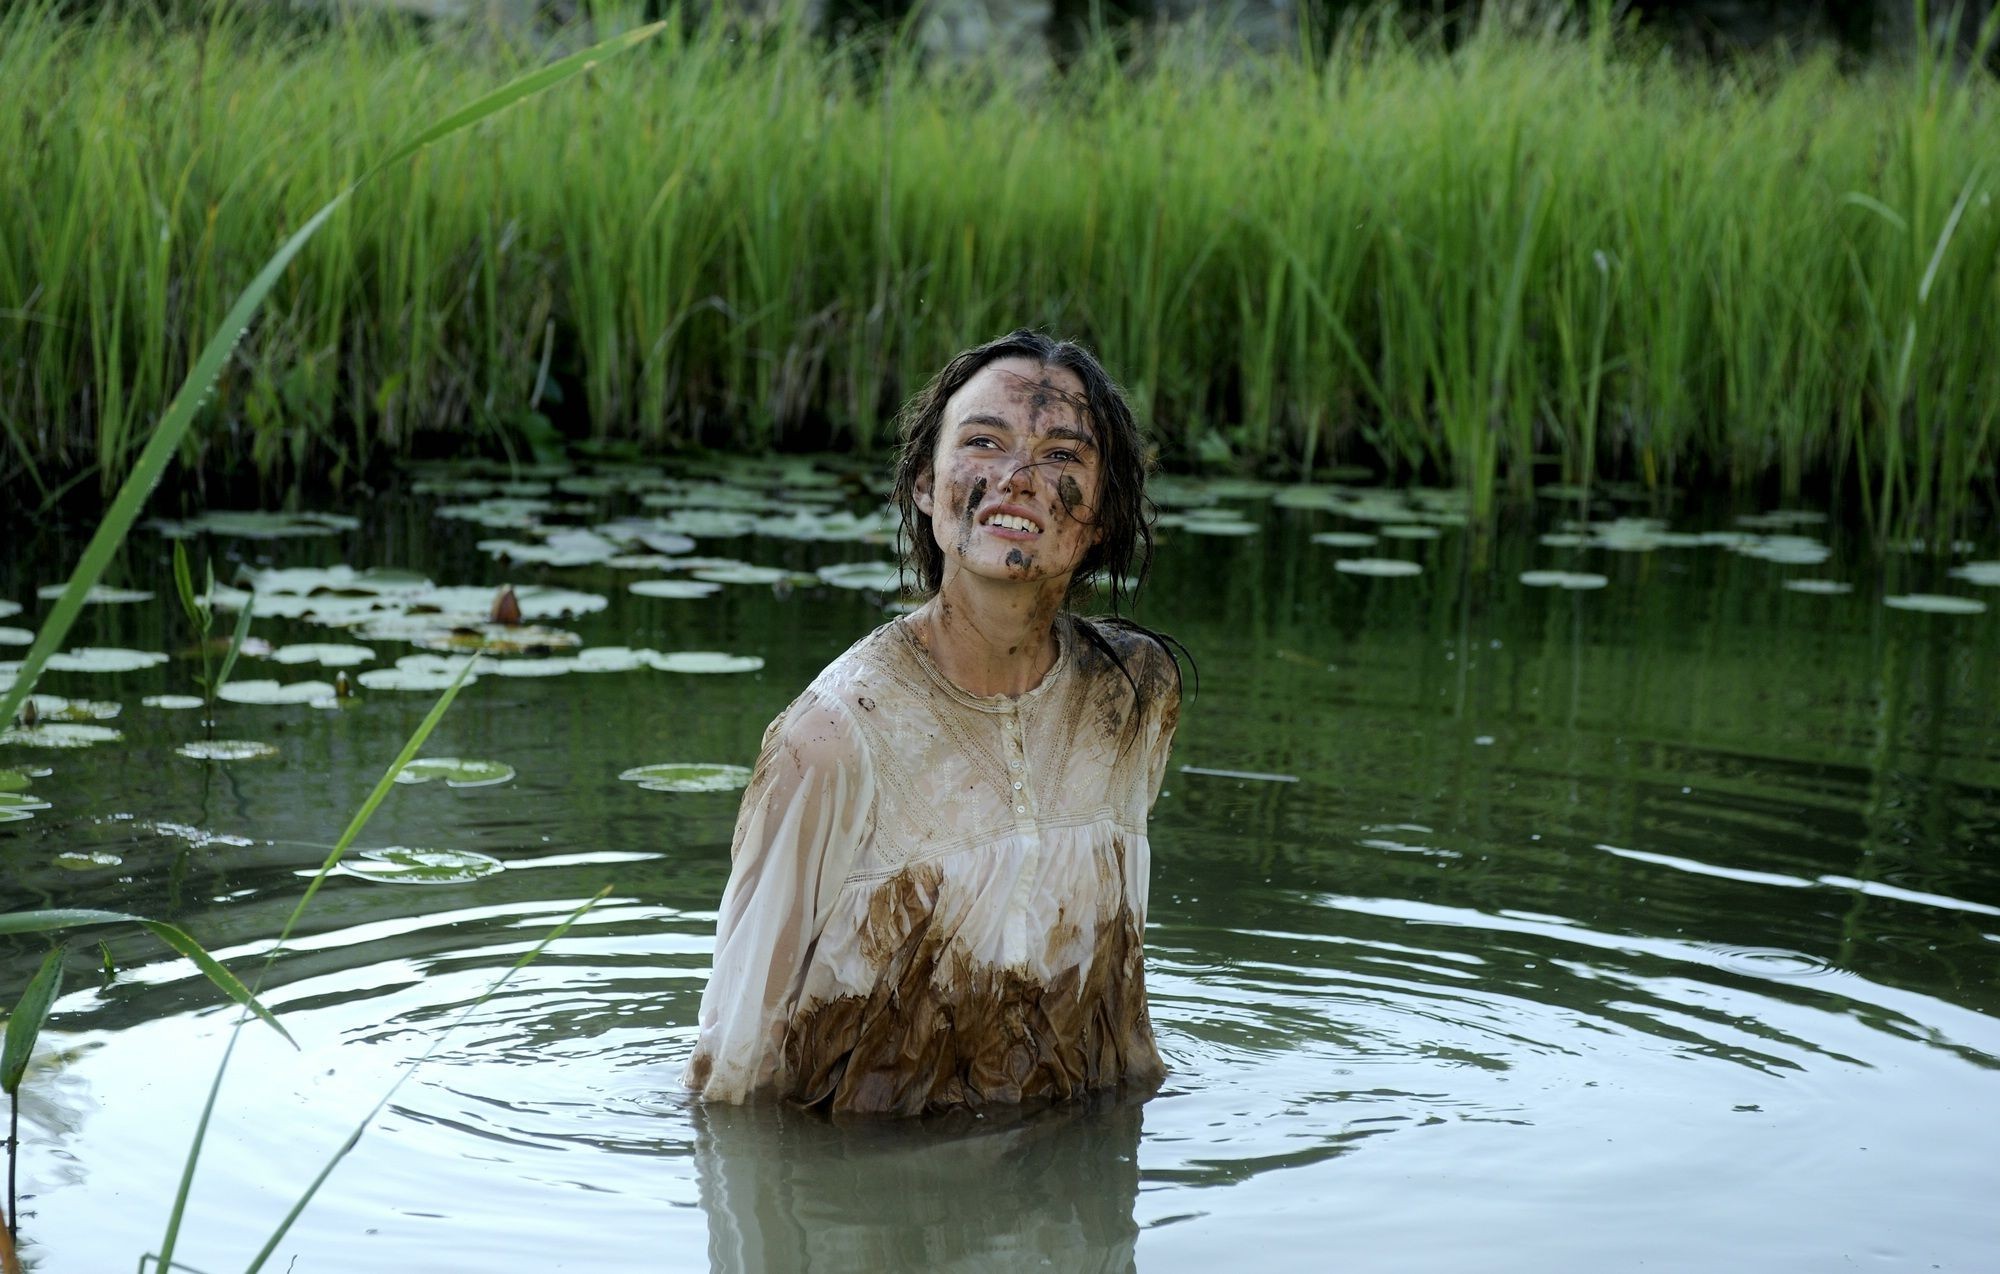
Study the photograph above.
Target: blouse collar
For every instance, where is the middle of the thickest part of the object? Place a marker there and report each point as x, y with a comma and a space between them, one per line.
991, 703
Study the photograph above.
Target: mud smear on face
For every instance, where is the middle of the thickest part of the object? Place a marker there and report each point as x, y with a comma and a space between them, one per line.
1071, 496
971, 519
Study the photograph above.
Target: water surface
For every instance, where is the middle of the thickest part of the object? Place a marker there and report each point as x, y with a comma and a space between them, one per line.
1492, 927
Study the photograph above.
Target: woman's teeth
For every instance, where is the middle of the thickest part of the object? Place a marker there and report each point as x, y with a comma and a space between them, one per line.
1012, 523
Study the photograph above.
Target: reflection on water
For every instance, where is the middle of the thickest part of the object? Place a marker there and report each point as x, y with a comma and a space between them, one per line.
1654, 922
1048, 1189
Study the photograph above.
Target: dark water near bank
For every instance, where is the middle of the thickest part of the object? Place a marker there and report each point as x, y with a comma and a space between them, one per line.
1652, 925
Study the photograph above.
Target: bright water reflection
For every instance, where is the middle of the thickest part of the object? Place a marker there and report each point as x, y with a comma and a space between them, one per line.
1649, 925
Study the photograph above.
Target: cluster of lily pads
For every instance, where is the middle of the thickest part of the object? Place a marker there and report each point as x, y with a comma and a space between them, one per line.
1776, 536
551, 518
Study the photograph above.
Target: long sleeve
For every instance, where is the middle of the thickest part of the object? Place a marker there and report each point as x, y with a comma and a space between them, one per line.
804, 818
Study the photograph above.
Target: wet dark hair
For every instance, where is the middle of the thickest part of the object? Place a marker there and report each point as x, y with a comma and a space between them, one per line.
1121, 510
1121, 556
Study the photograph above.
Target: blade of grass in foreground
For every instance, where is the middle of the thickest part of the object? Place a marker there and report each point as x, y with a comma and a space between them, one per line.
23, 1026
25, 1023
340, 847
152, 462
354, 1137
167, 435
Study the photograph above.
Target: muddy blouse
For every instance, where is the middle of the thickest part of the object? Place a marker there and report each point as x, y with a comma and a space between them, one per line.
936, 898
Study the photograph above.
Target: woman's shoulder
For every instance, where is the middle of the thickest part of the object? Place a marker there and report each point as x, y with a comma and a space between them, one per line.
1117, 647
863, 669
825, 718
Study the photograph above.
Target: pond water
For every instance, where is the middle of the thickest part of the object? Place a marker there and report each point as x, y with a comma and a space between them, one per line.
1495, 925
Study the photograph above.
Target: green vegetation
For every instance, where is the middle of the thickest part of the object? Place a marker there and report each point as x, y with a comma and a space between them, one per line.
162, 440
1529, 248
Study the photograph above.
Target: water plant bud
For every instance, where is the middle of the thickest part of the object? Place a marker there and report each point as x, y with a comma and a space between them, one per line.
506, 607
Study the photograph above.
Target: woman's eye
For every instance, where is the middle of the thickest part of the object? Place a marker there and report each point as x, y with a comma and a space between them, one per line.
1067, 457
980, 440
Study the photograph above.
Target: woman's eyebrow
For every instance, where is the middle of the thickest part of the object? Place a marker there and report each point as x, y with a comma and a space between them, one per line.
1077, 436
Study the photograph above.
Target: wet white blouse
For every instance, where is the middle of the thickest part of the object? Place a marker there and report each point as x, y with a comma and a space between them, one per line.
937, 898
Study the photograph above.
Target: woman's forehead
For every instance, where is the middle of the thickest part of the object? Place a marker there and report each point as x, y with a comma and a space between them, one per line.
1021, 388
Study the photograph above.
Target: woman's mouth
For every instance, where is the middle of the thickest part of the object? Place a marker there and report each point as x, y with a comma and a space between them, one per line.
1011, 525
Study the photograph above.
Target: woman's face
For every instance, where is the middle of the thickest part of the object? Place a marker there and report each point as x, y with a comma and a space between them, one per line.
1013, 485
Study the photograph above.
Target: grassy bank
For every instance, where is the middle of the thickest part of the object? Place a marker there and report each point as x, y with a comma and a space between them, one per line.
1532, 249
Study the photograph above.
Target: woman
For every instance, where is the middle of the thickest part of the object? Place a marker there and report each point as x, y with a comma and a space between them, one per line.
939, 869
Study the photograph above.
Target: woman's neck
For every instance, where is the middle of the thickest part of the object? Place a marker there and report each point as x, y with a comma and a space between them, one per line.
991, 638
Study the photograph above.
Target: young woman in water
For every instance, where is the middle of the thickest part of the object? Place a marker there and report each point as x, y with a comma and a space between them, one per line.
939, 872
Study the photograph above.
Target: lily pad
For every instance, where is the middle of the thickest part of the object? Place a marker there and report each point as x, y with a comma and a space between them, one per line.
536, 601
9, 609
498, 513
256, 524
501, 639
1382, 567
104, 659
172, 703
1936, 604
707, 661
1786, 550
87, 860
744, 574
16, 637
325, 654
398, 865
614, 659
57, 708
61, 734
14, 781
570, 546
647, 533
1986, 574
17, 806
303, 580
261, 691
1410, 531
1819, 587
1218, 526
641, 562
1779, 519
675, 589
100, 594
1344, 539
702, 524
1309, 497
688, 776
226, 750
821, 525
551, 666
871, 577
422, 679
1562, 579
455, 771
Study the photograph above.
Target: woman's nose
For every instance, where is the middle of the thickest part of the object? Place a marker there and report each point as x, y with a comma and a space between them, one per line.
1023, 476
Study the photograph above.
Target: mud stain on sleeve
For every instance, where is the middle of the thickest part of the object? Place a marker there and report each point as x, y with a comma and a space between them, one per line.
937, 1033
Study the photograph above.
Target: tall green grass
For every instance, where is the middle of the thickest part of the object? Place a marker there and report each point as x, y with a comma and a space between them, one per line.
161, 440
1527, 256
